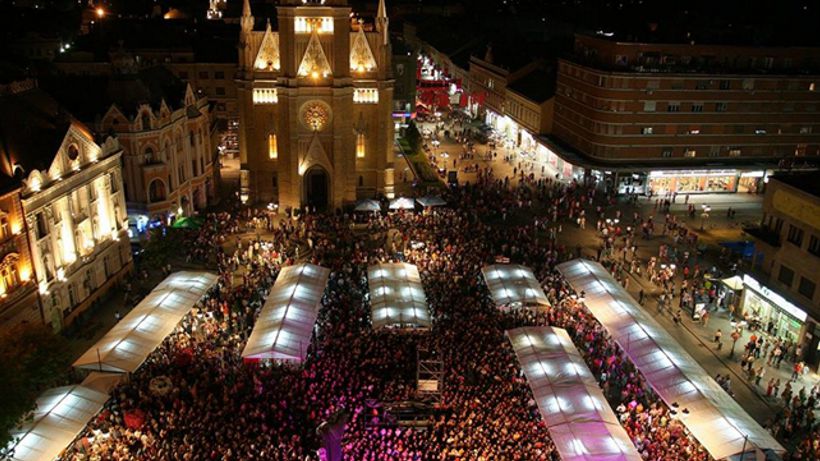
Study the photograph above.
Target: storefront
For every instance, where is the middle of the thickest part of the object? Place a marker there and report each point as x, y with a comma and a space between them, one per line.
774, 314
693, 181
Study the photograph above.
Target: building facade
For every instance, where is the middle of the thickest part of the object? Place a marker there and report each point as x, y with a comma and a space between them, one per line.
785, 292
19, 301
72, 202
315, 98
619, 103
168, 160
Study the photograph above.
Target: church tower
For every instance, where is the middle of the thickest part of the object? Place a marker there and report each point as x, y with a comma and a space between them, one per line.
315, 99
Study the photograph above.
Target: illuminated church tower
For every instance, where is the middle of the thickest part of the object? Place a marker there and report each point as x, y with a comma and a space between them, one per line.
315, 98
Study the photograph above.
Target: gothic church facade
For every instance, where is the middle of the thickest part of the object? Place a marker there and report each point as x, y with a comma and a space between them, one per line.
315, 96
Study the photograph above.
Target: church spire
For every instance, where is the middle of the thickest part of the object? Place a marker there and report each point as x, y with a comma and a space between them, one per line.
382, 22
247, 17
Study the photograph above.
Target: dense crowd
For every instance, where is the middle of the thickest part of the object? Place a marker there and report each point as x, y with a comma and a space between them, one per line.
196, 399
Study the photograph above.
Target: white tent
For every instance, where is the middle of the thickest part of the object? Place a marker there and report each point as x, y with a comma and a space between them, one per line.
132, 339
61, 414
580, 421
285, 325
431, 201
512, 285
714, 417
397, 297
368, 205
403, 203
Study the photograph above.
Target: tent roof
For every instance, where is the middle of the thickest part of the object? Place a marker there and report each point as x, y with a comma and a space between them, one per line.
580, 420
512, 284
402, 203
61, 414
431, 200
129, 342
285, 325
368, 205
397, 297
715, 419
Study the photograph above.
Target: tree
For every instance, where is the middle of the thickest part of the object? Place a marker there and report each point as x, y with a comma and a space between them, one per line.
413, 137
32, 359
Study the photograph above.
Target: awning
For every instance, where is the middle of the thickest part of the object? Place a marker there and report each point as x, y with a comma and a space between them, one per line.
580, 420
397, 298
368, 205
61, 414
512, 285
714, 418
132, 339
734, 282
431, 201
285, 325
403, 203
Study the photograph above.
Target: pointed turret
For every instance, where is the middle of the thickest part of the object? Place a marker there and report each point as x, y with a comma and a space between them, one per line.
247, 17
382, 22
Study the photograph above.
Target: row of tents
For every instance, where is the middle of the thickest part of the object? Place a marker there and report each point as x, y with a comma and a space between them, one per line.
401, 203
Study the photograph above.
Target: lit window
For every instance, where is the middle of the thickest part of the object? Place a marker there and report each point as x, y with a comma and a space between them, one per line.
760, 131
811, 86
690, 153
646, 130
265, 96
304, 25
273, 150
360, 145
734, 152
366, 96
694, 131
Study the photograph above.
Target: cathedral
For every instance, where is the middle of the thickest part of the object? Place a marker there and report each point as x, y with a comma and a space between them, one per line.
315, 97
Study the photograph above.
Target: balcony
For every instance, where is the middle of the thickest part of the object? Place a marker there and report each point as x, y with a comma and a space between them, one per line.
765, 235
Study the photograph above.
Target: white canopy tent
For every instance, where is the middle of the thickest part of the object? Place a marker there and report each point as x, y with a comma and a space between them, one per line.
580, 421
397, 298
61, 414
403, 203
132, 339
714, 418
285, 325
431, 201
368, 205
512, 286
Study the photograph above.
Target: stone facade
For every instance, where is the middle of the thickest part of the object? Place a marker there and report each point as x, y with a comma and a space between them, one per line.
315, 98
76, 223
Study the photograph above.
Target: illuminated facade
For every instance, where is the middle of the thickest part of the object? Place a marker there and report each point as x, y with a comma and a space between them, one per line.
18, 291
315, 97
167, 154
72, 202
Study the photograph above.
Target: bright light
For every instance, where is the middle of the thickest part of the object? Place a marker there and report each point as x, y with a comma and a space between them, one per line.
100, 12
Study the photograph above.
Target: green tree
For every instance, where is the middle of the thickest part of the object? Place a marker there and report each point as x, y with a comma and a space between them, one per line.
32, 358
413, 137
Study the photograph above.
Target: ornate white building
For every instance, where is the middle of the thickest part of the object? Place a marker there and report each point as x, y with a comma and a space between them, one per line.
315, 96
73, 204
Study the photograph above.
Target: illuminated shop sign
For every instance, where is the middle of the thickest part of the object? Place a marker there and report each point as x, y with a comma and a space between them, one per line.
774, 298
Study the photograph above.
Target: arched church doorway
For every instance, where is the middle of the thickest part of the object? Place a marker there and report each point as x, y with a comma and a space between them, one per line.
317, 187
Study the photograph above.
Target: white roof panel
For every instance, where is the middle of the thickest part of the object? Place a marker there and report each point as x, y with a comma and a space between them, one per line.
512, 285
715, 419
397, 297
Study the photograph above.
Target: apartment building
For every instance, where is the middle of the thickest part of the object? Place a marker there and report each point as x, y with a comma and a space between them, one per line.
787, 245
724, 109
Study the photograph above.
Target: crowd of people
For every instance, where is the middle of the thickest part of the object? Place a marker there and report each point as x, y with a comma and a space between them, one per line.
196, 399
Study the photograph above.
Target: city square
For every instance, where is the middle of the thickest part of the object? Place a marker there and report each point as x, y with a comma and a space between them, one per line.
340, 233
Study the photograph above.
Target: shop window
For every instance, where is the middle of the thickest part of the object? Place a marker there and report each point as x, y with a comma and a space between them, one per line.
786, 276
806, 287
795, 235
721, 106
649, 106
814, 245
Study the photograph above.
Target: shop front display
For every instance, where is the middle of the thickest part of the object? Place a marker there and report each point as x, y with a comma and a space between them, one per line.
692, 182
771, 311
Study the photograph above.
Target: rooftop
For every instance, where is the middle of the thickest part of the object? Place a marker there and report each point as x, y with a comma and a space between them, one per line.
538, 85
806, 182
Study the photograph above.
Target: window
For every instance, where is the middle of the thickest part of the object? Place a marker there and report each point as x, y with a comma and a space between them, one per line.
805, 130
360, 145
673, 107
748, 84
814, 245
646, 130
666, 153
42, 225
220, 91
273, 148
690, 153
5, 229
649, 106
677, 85
725, 84
786, 276
760, 131
203, 75
734, 152
811, 86
721, 107
702, 85
694, 131
778, 225
219, 75
806, 287
795, 235
697, 107
653, 84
